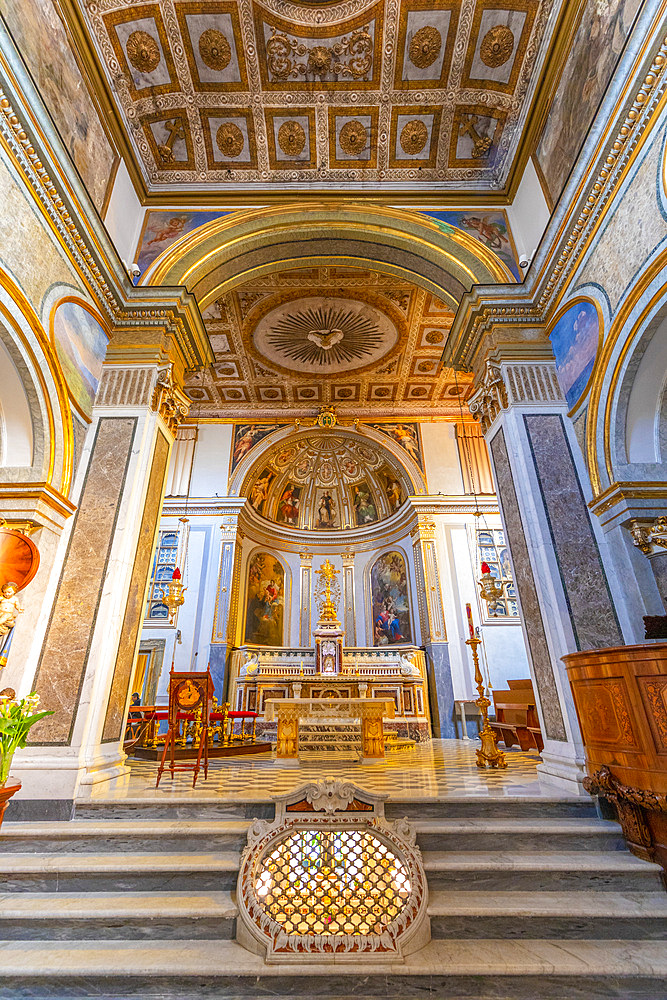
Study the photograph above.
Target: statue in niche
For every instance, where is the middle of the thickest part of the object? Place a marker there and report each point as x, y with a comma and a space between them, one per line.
10, 609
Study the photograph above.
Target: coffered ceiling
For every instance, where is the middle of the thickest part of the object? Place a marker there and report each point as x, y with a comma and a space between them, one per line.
233, 94
292, 341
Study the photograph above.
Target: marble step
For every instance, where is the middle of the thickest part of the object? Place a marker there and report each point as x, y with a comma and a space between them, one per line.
558, 834
115, 916
121, 872
110, 836
491, 807
541, 871
534, 969
211, 807
565, 915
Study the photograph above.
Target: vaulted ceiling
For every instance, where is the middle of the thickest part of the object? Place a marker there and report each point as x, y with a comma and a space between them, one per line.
228, 94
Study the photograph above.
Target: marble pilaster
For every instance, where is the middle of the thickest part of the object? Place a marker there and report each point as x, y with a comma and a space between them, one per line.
84, 650
306, 589
349, 614
432, 625
562, 582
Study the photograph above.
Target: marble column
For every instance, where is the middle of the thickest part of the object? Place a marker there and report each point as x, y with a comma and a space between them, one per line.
227, 596
84, 649
556, 548
432, 625
349, 616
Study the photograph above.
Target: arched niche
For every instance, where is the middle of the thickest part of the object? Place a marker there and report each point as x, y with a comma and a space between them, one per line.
266, 599
43, 451
16, 428
389, 604
365, 473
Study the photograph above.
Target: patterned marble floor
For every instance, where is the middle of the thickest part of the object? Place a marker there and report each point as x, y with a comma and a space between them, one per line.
431, 771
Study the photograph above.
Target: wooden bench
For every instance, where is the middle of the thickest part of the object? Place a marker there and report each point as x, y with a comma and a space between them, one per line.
516, 719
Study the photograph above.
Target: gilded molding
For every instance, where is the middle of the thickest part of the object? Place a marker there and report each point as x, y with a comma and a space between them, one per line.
650, 538
490, 398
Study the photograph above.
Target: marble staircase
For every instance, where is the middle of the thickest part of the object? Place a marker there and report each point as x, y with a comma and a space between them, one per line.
529, 898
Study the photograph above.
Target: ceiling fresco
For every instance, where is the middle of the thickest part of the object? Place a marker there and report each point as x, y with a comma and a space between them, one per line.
292, 341
236, 93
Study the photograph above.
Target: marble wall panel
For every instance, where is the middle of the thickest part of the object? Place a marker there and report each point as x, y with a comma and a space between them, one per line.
133, 617
587, 593
64, 656
545, 681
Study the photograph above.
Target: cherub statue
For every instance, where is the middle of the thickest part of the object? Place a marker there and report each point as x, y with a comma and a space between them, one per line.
250, 665
10, 608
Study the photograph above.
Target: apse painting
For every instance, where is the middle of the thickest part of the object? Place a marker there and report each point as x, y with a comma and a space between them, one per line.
265, 601
259, 492
490, 228
81, 346
326, 510
246, 436
289, 505
407, 435
596, 48
393, 490
389, 598
574, 340
363, 504
162, 228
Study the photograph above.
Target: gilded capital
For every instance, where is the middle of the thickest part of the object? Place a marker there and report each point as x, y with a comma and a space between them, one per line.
490, 398
169, 400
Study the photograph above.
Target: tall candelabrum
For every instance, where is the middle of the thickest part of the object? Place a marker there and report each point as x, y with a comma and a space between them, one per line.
488, 755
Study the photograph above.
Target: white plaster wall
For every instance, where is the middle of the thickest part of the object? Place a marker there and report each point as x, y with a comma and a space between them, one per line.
529, 213
643, 414
16, 432
441, 458
124, 215
210, 470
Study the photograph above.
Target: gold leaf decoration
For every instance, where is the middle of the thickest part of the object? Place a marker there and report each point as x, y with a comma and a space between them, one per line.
229, 139
291, 138
414, 136
143, 51
214, 49
497, 46
425, 47
353, 138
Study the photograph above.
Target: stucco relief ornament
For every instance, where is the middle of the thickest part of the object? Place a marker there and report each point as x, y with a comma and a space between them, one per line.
351, 55
168, 400
353, 138
414, 136
229, 139
291, 138
497, 46
143, 51
214, 49
425, 47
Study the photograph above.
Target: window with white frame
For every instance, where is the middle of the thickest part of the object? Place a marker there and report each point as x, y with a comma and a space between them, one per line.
492, 549
164, 564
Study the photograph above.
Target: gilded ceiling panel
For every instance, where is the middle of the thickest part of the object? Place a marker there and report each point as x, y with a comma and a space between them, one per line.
291, 341
234, 93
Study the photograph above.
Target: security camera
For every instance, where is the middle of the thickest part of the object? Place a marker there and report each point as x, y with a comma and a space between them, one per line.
135, 271
524, 262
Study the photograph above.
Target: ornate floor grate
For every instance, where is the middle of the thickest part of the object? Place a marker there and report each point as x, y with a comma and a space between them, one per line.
332, 882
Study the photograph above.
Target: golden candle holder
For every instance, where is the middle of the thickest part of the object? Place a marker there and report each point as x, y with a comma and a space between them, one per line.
488, 755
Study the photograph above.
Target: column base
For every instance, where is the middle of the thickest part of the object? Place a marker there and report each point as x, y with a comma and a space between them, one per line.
563, 771
54, 779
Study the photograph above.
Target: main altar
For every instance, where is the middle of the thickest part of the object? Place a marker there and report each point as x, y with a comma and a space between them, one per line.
330, 672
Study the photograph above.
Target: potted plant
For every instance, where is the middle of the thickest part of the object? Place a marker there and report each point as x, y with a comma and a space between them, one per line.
16, 720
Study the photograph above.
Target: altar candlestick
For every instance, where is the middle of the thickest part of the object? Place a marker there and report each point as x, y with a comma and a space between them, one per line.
471, 627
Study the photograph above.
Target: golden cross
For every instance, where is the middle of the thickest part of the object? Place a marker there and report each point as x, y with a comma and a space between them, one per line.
327, 572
